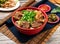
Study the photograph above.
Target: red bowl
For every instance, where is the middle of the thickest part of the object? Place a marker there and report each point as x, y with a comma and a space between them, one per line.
30, 31
55, 21
44, 7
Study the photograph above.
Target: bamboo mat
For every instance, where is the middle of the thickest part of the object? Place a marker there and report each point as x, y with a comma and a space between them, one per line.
24, 5
41, 38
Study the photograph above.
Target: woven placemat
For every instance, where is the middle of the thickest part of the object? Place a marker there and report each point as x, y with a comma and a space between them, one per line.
41, 38
24, 5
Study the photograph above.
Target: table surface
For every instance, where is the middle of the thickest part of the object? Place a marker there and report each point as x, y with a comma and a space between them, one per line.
55, 39
5, 40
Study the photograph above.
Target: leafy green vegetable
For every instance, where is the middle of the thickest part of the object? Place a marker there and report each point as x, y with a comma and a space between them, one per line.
28, 16
56, 10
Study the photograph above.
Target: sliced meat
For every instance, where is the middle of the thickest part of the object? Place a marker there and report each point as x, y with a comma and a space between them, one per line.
36, 24
17, 15
39, 17
41, 20
25, 24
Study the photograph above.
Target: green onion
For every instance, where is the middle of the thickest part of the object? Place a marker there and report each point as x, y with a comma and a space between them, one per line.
28, 16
